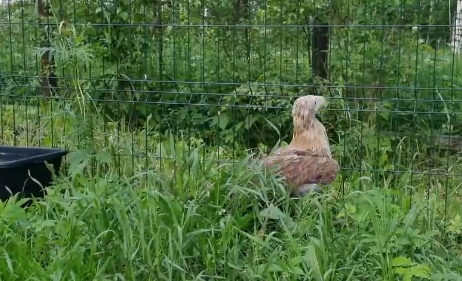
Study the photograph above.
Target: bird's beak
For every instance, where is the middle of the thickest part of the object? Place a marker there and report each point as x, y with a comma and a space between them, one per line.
321, 104
321, 107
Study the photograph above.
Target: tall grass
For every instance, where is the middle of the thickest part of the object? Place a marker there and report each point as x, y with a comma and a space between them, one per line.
190, 212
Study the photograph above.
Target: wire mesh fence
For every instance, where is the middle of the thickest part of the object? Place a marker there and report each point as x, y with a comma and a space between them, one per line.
125, 77
160, 101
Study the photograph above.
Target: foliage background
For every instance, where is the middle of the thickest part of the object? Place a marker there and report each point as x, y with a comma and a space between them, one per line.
180, 56
226, 73
182, 88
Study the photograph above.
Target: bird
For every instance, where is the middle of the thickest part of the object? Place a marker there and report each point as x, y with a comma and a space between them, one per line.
307, 161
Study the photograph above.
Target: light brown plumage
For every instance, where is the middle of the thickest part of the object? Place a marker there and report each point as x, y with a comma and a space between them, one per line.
307, 160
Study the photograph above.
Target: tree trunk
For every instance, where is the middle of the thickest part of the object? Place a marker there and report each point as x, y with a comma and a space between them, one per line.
456, 36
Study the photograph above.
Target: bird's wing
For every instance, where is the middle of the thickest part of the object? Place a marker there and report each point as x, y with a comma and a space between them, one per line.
288, 150
300, 167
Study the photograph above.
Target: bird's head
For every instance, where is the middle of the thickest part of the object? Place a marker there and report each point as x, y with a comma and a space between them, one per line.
309, 133
306, 107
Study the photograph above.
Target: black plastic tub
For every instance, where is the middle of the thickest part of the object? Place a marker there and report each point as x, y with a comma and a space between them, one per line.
21, 167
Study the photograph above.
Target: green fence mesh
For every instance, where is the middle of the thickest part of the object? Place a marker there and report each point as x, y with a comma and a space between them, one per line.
135, 81
124, 74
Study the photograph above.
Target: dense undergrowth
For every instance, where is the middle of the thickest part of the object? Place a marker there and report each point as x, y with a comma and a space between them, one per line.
160, 184
222, 76
155, 226
182, 210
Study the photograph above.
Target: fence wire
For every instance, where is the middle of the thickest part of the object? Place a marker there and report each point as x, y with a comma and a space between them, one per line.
125, 77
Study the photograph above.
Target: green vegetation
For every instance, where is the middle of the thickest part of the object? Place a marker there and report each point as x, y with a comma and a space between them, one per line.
195, 214
160, 183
